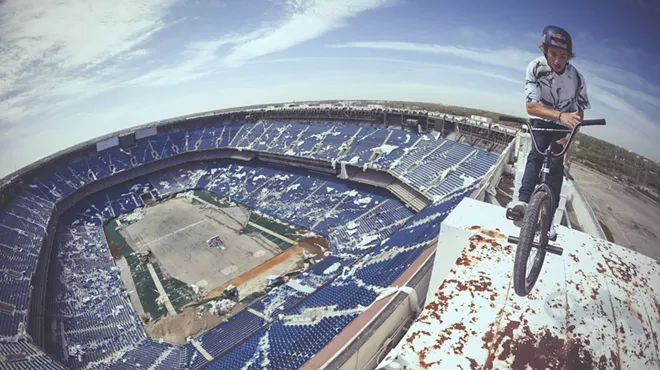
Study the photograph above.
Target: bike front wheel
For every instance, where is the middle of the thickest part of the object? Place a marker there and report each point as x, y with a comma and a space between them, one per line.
534, 230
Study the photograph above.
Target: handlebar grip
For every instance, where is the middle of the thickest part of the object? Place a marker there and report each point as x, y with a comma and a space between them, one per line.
513, 119
593, 122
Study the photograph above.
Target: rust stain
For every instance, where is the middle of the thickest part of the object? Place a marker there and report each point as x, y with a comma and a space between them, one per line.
600, 268
422, 359
620, 269
473, 363
578, 356
574, 257
493, 234
464, 259
539, 350
416, 334
490, 337
496, 234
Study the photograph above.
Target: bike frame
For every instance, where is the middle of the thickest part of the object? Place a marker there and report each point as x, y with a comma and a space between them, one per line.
545, 171
548, 154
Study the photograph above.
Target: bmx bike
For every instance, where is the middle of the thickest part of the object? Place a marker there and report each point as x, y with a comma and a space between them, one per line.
533, 242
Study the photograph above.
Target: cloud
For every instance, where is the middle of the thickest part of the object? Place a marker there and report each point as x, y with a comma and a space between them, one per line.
505, 57
55, 50
307, 20
424, 66
199, 58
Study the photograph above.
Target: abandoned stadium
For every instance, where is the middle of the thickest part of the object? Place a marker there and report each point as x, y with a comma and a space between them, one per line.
276, 238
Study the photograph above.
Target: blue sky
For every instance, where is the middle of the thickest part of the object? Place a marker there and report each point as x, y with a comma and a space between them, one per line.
72, 70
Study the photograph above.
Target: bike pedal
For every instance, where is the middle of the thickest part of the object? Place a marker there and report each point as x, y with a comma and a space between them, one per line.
553, 249
513, 215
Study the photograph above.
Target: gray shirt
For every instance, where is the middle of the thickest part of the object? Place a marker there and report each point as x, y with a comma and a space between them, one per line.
566, 92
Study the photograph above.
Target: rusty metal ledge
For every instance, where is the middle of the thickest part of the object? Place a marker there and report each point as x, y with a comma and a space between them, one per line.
597, 306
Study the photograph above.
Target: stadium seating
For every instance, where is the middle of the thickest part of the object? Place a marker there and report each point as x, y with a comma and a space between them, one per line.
22, 355
374, 236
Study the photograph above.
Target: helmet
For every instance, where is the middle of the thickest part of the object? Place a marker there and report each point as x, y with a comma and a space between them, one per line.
559, 37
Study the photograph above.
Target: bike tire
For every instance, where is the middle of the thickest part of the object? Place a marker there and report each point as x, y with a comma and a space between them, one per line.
532, 223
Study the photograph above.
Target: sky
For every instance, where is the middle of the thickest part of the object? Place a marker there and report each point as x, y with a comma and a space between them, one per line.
72, 70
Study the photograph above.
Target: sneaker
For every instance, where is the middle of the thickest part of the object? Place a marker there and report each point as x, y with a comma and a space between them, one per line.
552, 233
521, 207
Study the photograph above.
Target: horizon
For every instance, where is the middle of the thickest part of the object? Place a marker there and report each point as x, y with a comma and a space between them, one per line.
73, 72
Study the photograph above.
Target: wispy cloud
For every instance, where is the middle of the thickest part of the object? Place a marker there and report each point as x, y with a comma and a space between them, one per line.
506, 57
304, 20
425, 66
55, 50
307, 20
198, 59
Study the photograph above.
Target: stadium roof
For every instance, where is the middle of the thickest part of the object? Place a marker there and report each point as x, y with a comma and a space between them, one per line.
597, 305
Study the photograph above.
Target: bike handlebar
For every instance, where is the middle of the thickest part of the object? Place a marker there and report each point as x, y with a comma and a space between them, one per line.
588, 122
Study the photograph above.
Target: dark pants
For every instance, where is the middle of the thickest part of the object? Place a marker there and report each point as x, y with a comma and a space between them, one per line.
535, 162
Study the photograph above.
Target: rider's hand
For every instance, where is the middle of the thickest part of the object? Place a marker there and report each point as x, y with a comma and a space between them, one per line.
570, 119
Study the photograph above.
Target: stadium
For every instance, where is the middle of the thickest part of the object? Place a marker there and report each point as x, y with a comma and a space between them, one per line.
303, 236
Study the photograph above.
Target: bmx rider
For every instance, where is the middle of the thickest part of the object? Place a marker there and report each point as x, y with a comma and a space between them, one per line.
556, 98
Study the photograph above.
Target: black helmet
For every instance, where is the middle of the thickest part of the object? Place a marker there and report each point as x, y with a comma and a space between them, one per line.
559, 37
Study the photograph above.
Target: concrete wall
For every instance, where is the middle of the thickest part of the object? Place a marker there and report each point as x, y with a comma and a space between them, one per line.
583, 211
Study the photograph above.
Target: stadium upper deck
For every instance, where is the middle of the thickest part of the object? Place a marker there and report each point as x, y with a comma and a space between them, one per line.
37, 197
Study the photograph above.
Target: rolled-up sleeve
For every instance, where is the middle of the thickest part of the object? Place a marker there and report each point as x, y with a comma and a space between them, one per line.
532, 87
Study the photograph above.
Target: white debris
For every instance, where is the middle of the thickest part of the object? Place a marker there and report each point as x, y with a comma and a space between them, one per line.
366, 241
438, 198
351, 193
365, 200
467, 180
221, 307
196, 288
299, 287
116, 311
239, 175
386, 148
354, 160
259, 177
165, 184
292, 187
329, 189
352, 225
407, 139
135, 216
332, 269
186, 194
281, 177
76, 350
161, 300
